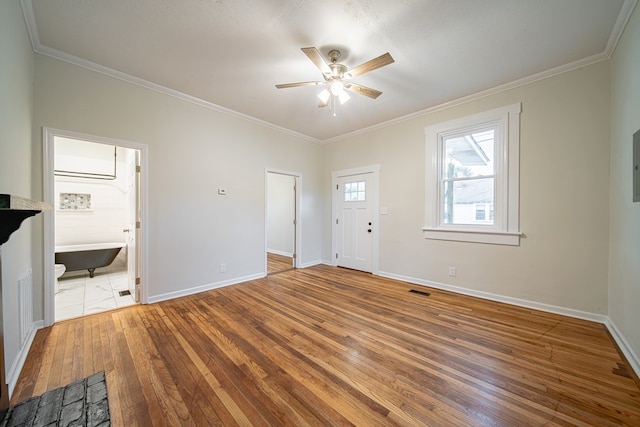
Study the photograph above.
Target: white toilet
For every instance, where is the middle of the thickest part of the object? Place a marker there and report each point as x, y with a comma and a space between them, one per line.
60, 269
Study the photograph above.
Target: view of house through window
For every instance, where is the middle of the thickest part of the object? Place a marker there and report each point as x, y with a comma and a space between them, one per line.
355, 191
472, 170
468, 177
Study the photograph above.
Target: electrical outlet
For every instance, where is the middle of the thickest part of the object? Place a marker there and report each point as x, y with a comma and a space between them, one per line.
452, 271
223, 268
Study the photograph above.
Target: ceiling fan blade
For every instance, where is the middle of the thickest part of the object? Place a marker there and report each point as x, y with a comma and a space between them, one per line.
314, 55
371, 65
322, 104
362, 90
286, 85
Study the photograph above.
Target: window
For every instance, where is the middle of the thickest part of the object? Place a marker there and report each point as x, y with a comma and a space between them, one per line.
355, 191
472, 172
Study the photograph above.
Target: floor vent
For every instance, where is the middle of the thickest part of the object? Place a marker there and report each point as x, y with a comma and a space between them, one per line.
415, 291
124, 293
25, 305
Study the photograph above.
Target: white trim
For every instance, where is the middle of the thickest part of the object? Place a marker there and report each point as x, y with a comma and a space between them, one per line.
314, 263
578, 314
27, 11
298, 228
203, 288
616, 33
505, 231
490, 237
625, 14
277, 252
625, 347
48, 135
618, 29
18, 363
375, 179
631, 356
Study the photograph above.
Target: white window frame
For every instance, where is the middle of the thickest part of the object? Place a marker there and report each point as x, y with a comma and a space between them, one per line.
506, 228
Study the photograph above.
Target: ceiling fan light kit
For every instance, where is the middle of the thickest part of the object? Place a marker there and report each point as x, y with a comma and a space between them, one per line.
334, 75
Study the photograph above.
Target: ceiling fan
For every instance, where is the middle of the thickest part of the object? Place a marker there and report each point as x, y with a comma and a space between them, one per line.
335, 74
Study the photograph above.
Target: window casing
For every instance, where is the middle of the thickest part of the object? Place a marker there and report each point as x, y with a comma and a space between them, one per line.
472, 178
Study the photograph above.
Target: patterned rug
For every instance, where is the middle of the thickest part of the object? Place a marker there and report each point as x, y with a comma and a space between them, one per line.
82, 403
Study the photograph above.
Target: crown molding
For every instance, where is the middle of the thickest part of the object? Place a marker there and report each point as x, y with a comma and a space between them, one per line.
27, 10
616, 33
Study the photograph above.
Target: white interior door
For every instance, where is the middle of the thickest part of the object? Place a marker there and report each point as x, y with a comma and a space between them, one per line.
133, 224
354, 222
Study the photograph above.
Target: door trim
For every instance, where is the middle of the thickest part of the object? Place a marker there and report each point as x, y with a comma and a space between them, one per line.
375, 179
48, 251
297, 249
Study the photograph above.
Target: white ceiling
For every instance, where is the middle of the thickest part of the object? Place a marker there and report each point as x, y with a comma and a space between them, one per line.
229, 54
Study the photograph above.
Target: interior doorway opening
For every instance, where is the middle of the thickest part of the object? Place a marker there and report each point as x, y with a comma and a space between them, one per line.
93, 237
281, 240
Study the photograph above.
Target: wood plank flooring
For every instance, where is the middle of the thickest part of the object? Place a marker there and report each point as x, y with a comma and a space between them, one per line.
278, 263
328, 346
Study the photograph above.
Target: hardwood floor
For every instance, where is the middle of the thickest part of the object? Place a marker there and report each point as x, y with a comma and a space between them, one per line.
329, 346
278, 263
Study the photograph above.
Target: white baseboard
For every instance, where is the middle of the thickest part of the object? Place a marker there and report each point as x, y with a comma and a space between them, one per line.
621, 341
198, 289
311, 264
625, 347
276, 252
600, 318
21, 357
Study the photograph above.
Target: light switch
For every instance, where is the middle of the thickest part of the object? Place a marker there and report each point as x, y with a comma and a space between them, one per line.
222, 191
384, 211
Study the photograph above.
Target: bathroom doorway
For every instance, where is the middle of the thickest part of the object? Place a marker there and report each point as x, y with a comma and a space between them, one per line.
282, 223
93, 237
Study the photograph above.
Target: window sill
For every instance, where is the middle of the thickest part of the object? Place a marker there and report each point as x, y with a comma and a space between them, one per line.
489, 237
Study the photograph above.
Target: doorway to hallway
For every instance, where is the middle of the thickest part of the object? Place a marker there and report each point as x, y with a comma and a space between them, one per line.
281, 238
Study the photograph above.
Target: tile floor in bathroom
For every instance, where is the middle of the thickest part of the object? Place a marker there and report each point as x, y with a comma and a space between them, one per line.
79, 294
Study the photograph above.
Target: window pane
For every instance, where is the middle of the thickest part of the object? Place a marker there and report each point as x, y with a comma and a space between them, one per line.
469, 154
355, 191
460, 199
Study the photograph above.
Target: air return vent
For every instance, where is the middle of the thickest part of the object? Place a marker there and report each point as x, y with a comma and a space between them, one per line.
415, 291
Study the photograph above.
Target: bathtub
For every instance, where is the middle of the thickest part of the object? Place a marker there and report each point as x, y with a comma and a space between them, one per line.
87, 256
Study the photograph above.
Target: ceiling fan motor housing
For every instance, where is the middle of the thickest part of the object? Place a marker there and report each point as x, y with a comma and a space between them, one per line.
337, 70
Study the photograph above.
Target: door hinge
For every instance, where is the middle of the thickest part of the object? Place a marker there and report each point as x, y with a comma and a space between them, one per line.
137, 224
336, 220
137, 290
336, 186
336, 255
294, 222
138, 169
295, 256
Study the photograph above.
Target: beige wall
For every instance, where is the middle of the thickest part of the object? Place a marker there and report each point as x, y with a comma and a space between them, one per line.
16, 104
192, 151
564, 166
565, 184
624, 259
